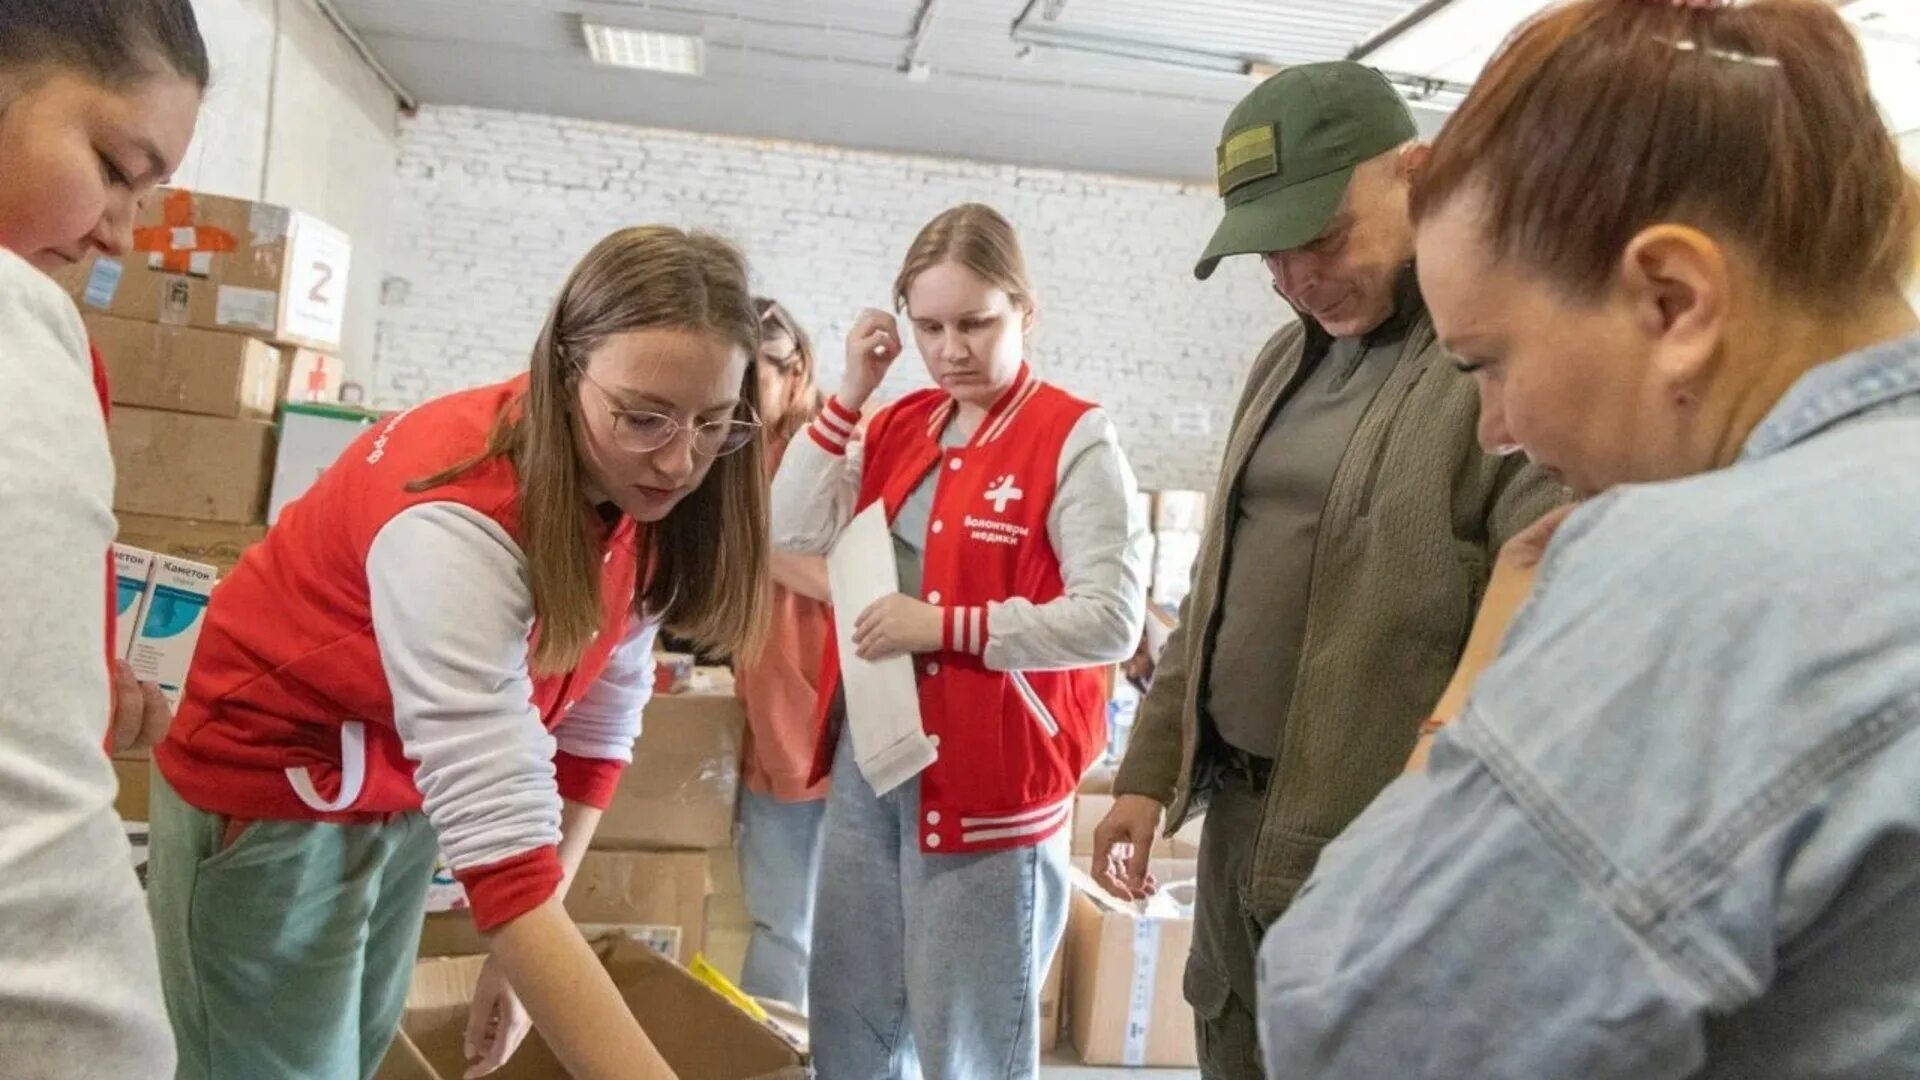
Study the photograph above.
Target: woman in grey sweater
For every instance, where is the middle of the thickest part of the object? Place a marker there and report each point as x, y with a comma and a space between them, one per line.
98, 100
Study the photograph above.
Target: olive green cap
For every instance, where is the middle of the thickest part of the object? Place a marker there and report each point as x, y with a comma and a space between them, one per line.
1289, 150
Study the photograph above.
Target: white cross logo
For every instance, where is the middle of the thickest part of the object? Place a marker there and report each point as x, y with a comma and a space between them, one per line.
1003, 492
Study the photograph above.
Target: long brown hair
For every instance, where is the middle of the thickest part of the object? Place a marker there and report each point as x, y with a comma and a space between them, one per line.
977, 237
786, 346
1755, 123
710, 554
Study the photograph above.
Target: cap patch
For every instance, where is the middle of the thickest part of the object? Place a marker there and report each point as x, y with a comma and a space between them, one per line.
1249, 155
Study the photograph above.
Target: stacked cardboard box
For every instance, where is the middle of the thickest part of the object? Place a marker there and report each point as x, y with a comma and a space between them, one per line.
662, 868
1089, 809
1179, 518
681, 794
225, 310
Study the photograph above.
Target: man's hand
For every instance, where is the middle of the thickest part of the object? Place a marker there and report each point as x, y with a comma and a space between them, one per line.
1121, 844
141, 714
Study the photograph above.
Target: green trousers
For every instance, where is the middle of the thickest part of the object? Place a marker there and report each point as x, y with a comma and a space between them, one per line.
288, 953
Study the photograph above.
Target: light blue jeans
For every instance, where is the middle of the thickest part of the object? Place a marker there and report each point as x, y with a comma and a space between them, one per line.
779, 866
927, 966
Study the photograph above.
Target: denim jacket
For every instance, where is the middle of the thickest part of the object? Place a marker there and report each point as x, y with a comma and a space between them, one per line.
1676, 831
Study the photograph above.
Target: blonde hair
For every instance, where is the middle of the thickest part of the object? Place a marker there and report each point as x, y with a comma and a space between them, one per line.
977, 237
710, 555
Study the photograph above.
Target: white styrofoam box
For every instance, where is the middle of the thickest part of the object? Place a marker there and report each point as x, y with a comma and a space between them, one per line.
312, 438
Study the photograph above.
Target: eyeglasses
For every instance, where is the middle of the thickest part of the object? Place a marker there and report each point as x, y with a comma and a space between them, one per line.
641, 432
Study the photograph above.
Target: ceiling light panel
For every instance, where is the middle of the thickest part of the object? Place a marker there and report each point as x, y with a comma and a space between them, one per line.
645, 50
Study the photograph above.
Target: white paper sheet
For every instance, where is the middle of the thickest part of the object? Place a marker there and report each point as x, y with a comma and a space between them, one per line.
883, 700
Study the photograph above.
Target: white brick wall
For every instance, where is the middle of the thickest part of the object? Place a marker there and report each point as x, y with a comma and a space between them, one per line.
493, 209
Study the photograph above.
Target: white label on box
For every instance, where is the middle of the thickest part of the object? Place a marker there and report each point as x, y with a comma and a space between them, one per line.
318, 257
200, 264
174, 610
186, 238
1146, 960
267, 223
104, 282
251, 308
664, 940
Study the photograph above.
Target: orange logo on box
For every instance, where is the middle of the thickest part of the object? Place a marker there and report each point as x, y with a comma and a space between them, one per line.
177, 240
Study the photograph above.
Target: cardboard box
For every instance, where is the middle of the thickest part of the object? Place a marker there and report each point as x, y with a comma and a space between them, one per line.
1098, 780
312, 438
310, 377
1179, 511
202, 468
135, 773
1050, 993
215, 543
132, 569
1123, 978
186, 370
701, 1035
682, 787
729, 923
657, 897
1090, 809
225, 264
170, 619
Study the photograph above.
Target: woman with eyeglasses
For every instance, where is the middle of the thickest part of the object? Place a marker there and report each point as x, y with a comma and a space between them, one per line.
781, 808
448, 642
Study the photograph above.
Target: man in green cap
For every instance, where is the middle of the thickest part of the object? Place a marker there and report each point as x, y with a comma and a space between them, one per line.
1351, 535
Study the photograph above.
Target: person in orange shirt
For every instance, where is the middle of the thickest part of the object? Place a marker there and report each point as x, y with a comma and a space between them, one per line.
780, 811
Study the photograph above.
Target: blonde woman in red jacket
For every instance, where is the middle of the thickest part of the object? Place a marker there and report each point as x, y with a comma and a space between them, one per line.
448, 641
1022, 570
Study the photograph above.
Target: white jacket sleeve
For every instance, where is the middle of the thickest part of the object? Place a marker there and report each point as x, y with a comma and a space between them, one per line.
79, 982
603, 724
1102, 541
452, 610
818, 484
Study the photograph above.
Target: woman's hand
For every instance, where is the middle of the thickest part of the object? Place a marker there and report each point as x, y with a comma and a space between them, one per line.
872, 346
141, 714
497, 1023
1508, 588
1522, 553
897, 625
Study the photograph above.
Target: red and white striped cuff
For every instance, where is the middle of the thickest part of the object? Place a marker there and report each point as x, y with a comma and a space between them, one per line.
834, 427
965, 630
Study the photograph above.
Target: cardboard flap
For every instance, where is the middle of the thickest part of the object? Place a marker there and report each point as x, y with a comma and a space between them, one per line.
682, 1016
699, 1033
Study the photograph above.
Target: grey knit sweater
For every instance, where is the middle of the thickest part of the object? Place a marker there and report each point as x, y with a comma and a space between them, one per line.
79, 984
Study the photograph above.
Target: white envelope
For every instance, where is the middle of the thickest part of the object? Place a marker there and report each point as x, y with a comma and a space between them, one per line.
883, 699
